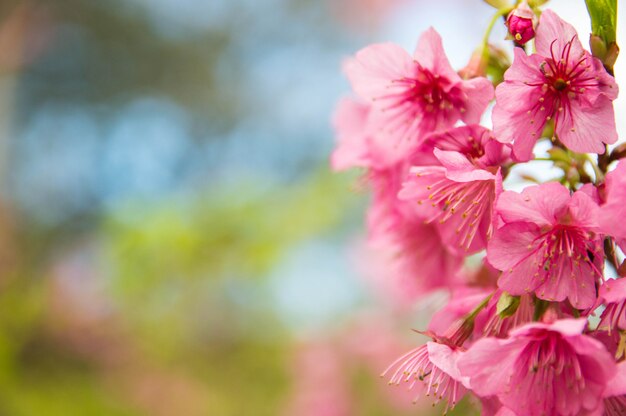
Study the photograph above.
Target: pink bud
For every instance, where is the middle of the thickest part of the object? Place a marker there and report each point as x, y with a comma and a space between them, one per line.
521, 23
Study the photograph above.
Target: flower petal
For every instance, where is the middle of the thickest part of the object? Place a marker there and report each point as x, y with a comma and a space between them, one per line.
539, 204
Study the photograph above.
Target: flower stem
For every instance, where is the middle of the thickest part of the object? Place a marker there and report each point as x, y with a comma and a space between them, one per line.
501, 12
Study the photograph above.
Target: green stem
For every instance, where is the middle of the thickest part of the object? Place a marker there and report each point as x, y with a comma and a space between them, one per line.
596, 169
501, 12
472, 315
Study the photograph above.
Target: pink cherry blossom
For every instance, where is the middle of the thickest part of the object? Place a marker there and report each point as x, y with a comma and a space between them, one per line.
414, 96
541, 369
548, 244
613, 295
431, 367
458, 192
561, 82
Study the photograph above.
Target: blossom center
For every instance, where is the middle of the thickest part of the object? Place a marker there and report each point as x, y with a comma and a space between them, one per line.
560, 84
430, 92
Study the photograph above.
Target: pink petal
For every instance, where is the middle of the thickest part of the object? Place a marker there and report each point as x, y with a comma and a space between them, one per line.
430, 54
489, 364
352, 149
446, 359
479, 93
615, 206
584, 210
463, 301
516, 117
552, 28
617, 385
613, 290
459, 169
508, 251
540, 204
585, 129
375, 66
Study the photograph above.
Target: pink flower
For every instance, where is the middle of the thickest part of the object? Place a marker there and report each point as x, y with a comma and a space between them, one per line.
613, 295
541, 369
414, 96
521, 23
562, 82
459, 191
548, 244
433, 367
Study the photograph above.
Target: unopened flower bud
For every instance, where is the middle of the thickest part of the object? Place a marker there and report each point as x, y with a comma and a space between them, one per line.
521, 23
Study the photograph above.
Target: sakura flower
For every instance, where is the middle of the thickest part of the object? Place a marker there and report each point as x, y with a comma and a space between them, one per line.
548, 244
413, 96
432, 367
613, 295
541, 369
459, 191
561, 82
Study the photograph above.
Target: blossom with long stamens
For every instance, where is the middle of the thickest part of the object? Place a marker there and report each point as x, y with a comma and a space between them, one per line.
548, 244
431, 367
561, 82
412, 96
541, 369
458, 193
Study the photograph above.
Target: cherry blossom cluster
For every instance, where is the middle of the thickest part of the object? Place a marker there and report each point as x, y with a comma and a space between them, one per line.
536, 320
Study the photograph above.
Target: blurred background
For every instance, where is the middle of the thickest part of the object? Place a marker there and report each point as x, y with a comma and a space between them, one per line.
172, 241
